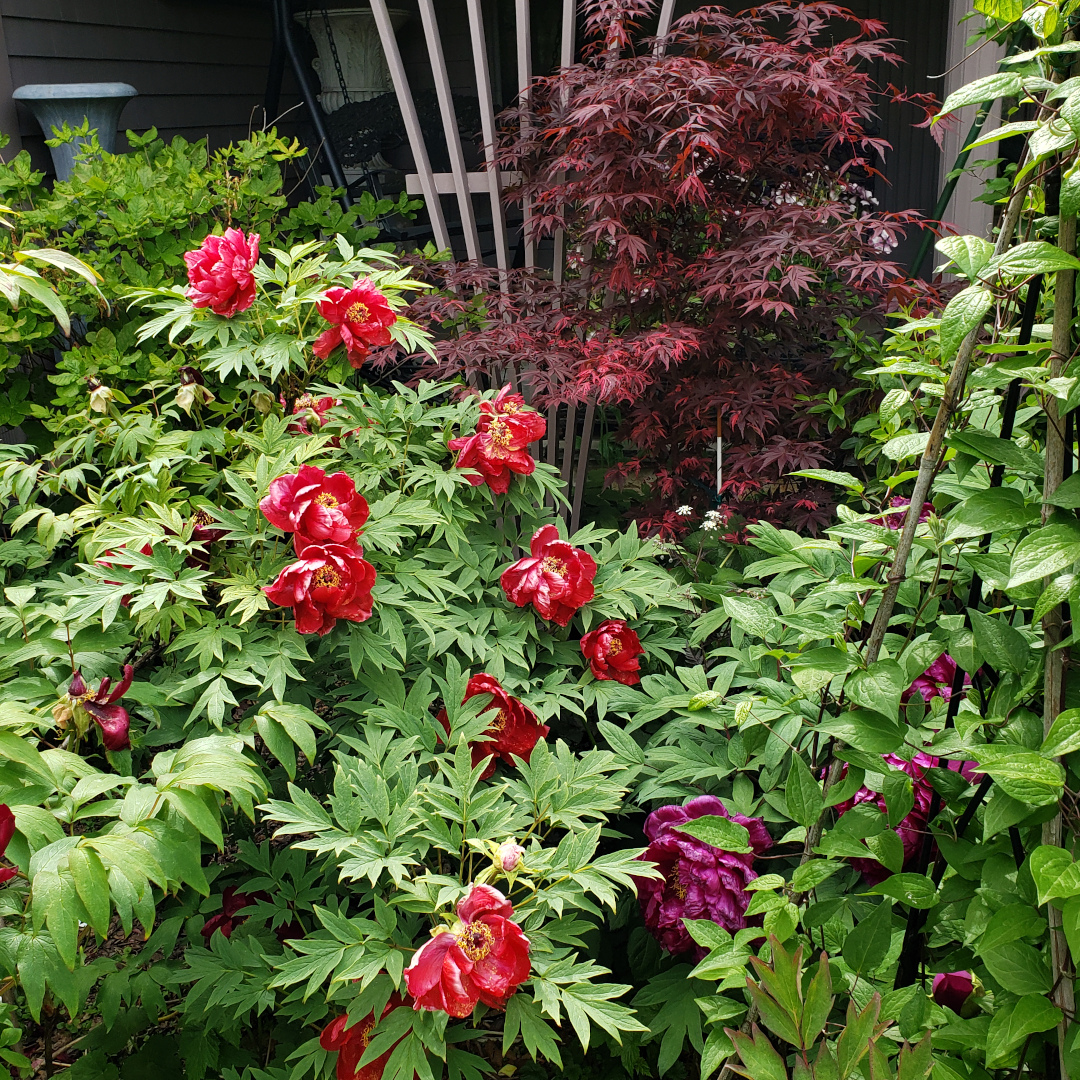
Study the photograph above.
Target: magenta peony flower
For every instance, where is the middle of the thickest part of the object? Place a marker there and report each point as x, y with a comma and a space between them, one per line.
935, 681
700, 881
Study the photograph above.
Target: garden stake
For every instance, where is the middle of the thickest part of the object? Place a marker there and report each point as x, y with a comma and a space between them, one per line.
909, 954
1053, 686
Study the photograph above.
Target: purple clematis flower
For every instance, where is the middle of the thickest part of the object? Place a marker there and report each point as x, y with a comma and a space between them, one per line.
700, 881
894, 518
110, 717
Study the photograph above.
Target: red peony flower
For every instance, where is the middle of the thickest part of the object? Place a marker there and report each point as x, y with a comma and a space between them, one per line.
227, 920
7, 831
112, 558
309, 411
498, 449
350, 1044
485, 957
326, 583
320, 509
220, 272
514, 731
612, 650
359, 317
111, 717
556, 579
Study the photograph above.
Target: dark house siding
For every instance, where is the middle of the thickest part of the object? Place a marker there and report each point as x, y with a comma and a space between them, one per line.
200, 67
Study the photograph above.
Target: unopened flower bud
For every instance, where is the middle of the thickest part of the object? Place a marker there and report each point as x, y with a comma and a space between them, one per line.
263, 402
100, 395
509, 856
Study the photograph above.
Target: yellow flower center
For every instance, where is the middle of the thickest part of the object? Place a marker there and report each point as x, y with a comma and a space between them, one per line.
675, 883
498, 723
201, 519
363, 1034
358, 313
614, 647
326, 577
475, 941
324, 498
551, 565
304, 401
499, 434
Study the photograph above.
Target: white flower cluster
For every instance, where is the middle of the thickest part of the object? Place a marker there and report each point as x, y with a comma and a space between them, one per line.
684, 511
714, 519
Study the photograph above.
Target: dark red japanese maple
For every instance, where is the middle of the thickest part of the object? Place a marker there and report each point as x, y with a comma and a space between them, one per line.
485, 957
556, 577
716, 221
513, 731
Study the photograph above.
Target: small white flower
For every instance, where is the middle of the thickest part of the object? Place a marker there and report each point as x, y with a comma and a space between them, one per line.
684, 511
710, 524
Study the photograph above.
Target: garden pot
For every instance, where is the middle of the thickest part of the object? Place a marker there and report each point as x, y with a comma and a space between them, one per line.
53, 104
352, 31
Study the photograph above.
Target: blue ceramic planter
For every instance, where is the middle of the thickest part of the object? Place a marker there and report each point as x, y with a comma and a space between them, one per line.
54, 103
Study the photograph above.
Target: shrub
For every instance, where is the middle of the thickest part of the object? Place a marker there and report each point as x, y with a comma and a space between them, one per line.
708, 193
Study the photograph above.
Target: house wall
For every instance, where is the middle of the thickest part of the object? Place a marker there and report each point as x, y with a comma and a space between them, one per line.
199, 65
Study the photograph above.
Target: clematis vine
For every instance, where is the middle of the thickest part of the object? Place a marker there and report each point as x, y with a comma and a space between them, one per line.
359, 318
328, 582
700, 881
612, 650
103, 707
513, 732
482, 957
317, 508
351, 1042
220, 272
556, 577
498, 449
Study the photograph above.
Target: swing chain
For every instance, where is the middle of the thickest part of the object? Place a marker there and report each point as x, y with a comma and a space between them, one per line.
337, 59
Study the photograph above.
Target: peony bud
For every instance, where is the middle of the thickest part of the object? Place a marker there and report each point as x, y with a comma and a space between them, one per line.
509, 856
61, 712
100, 395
